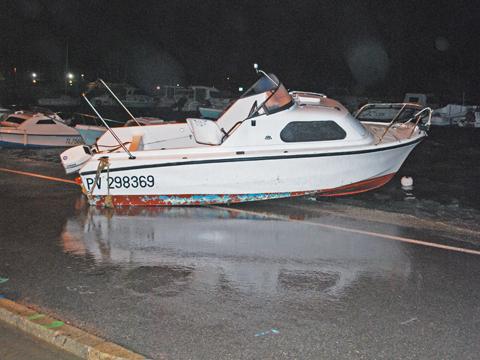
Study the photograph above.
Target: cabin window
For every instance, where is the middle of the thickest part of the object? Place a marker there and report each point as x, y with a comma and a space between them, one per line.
45, 122
15, 120
299, 131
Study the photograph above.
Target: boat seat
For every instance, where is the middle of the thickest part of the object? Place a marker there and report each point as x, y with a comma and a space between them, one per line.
205, 131
136, 143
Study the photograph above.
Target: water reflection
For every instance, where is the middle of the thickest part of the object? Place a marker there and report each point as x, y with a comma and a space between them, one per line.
33, 155
170, 249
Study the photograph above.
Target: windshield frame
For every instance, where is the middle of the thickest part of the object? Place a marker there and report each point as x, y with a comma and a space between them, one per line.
275, 86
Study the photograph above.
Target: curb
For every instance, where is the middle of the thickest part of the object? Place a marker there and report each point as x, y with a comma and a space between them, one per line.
61, 335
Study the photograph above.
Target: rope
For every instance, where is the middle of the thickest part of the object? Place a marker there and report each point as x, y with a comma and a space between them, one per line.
102, 164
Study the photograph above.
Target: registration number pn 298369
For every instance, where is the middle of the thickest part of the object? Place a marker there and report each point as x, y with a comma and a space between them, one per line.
123, 182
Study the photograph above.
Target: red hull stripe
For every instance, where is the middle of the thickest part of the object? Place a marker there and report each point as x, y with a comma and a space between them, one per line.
358, 187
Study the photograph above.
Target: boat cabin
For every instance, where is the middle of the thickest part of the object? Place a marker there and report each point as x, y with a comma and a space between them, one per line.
24, 119
265, 115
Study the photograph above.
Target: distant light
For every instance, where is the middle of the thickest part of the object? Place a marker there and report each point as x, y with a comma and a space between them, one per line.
158, 87
70, 76
228, 77
82, 75
34, 81
178, 84
240, 88
34, 75
70, 82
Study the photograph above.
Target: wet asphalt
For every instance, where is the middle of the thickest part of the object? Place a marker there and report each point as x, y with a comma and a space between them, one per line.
254, 281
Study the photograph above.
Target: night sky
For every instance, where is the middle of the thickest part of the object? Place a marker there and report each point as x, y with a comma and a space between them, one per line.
381, 47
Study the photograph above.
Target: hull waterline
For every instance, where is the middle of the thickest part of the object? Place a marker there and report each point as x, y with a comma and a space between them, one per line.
212, 199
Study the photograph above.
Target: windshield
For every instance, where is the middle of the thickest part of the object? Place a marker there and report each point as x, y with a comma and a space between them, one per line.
279, 100
265, 83
278, 97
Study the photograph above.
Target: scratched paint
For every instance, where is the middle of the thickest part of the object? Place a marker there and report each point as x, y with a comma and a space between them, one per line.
211, 199
190, 200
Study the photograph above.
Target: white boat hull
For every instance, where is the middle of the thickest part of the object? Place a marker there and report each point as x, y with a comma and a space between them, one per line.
242, 178
13, 138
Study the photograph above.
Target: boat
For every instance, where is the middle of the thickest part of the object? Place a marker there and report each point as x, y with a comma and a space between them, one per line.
193, 97
457, 115
270, 143
62, 100
36, 129
130, 96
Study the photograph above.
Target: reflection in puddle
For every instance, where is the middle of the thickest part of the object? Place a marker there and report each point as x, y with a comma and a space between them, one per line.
167, 250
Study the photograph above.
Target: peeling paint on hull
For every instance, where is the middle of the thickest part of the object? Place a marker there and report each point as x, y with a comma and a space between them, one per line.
188, 200
210, 199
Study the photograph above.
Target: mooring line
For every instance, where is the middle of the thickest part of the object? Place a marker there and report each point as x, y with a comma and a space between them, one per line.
357, 231
38, 176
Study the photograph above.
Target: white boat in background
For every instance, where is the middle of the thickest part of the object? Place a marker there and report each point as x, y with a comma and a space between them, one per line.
34, 129
268, 144
129, 95
193, 97
62, 100
457, 115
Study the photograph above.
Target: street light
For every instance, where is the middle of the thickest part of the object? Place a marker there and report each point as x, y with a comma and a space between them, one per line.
70, 76
34, 75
